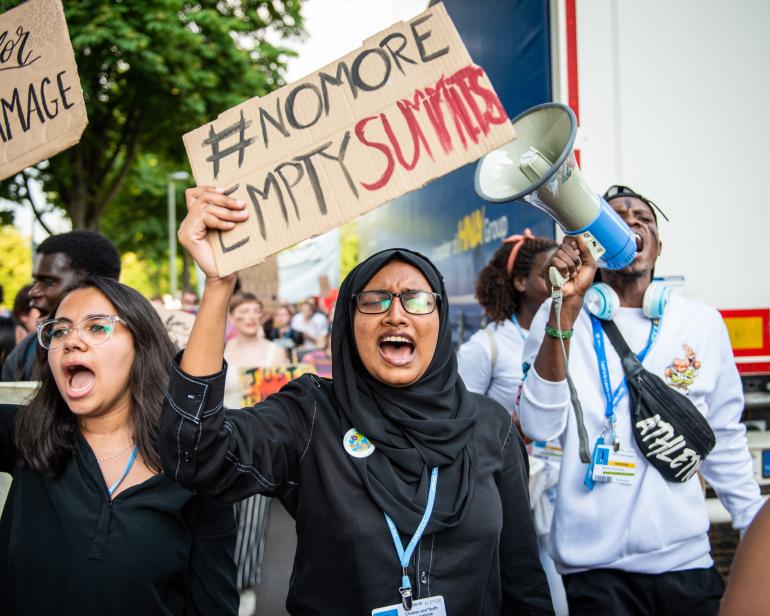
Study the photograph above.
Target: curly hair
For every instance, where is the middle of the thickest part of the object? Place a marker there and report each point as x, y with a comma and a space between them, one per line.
494, 286
90, 253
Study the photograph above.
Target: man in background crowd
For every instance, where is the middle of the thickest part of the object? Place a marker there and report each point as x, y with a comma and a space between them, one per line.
61, 261
26, 317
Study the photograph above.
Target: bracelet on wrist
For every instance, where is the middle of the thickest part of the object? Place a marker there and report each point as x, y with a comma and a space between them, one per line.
558, 333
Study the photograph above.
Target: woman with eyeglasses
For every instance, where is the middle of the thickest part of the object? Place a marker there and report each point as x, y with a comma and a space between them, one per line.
408, 491
92, 525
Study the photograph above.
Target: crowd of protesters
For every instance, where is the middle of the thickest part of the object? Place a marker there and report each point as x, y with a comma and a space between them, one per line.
132, 480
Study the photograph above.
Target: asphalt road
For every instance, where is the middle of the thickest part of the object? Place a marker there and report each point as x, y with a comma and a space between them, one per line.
278, 562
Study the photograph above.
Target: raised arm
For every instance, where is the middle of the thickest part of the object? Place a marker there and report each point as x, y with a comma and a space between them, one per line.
574, 262
208, 208
227, 453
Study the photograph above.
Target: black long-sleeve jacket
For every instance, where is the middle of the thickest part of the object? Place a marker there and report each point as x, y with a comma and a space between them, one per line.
291, 446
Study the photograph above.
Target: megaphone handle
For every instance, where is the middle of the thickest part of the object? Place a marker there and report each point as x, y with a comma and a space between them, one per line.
557, 280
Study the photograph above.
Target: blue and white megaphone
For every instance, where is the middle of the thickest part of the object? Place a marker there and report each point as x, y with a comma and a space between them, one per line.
539, 167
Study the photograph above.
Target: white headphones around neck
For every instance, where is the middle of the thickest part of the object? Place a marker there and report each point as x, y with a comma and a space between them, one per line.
602, 301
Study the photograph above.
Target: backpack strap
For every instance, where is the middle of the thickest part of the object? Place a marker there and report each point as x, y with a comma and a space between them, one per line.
493, 351
631, 364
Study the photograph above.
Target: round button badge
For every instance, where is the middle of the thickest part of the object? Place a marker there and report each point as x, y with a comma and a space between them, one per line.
356, 444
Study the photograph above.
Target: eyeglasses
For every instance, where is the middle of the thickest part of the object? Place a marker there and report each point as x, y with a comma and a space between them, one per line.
414, 302
93, 331
619, 190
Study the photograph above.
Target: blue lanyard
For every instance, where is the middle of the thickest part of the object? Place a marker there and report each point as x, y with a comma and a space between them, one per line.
612, 399
518, 326
404, 556
115, 485
604, 374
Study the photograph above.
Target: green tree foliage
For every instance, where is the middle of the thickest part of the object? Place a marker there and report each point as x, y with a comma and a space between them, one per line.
16, 264
152, 70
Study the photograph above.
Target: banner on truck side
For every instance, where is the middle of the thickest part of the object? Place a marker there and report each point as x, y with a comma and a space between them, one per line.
406, 107
42, 111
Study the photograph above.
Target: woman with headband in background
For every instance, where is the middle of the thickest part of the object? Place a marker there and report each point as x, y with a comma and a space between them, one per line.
510, 289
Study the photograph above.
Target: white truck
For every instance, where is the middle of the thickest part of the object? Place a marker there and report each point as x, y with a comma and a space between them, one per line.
671, 100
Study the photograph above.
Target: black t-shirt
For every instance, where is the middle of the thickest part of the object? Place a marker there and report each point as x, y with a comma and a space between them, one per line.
291, 446
291, 336
66, 548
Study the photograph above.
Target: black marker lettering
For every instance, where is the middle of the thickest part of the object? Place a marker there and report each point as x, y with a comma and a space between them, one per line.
15, 103
335, 81
215, 137
45, 101
7, 47
307, 160
63, 91
396, 53
420, 37
291, 103
279, 124
356, 70
289, 185
255, 193
340, 158
33, 105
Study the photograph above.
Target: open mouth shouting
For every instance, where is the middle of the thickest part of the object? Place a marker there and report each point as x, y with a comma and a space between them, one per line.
80, 380
639, 242
397, 349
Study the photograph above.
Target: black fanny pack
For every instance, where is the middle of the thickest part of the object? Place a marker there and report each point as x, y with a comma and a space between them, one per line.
669, 431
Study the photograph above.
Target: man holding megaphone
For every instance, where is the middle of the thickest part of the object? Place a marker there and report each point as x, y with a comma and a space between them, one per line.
661, 399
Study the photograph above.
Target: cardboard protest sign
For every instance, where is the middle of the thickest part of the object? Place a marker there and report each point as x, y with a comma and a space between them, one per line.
178, 324
405, 108
42, 111
259, 383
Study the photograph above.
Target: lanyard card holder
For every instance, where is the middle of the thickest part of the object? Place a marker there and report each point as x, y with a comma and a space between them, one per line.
430, 606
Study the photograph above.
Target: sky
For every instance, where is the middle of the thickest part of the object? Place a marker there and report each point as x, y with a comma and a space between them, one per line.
337, 27
334, 28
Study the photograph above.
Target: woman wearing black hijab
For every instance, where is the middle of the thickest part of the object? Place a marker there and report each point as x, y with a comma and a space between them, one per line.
407, 490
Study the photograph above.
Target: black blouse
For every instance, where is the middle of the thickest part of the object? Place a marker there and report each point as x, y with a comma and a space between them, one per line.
290, 446
66, 548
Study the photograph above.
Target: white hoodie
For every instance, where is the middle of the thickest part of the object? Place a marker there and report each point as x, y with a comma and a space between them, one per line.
653, 525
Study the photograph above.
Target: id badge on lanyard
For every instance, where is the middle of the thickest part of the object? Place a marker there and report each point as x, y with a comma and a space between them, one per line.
430, 606
611, 465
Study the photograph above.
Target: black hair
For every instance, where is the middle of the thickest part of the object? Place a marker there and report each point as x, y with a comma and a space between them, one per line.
494, 286
46, 430
7, 337
90, 254
21, 303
